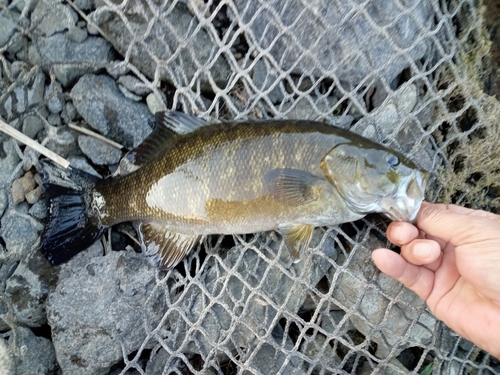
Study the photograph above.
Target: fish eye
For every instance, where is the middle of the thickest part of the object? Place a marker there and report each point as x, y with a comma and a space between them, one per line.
393, 160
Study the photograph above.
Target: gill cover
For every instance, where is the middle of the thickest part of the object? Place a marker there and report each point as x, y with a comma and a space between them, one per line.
371, 178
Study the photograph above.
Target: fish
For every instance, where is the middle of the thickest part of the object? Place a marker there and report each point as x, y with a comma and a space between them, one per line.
190, 178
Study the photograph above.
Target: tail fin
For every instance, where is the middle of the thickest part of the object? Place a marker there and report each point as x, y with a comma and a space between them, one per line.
71, 225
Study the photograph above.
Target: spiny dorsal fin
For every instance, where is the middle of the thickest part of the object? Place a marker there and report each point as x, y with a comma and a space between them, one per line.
158, 141
294, 186
164, 248
179, 122
297, 238
168, 126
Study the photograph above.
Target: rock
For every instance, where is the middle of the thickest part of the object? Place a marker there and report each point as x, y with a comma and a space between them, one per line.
38, 210
128, 94
134, 85
103, 106
7, 29
77, 35
395, 125
71, 111
3, 201
17, 191
19, 230
53, 95
9, 161
28, 288
34, 195
50, 17
32, 125
22, 186
101, 153
54, 119
266, 80
169, 45
7, 363
93, 327
392, 321
155, 104
335, 34
33, 355
82, 164
62, 141
303, 109
84, 4
35, 93
68, 59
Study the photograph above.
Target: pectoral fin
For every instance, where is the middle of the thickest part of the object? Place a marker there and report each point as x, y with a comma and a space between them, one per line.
164, 248
297, 238
294, 186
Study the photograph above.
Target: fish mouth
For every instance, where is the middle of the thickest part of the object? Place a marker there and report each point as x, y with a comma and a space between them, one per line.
405, 204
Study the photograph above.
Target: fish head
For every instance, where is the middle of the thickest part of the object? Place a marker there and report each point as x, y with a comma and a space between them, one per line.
372, 178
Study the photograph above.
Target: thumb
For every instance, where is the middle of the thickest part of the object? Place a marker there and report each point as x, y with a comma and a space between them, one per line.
456, 225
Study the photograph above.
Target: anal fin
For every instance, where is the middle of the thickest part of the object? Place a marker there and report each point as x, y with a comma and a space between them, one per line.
297, 238
164, 248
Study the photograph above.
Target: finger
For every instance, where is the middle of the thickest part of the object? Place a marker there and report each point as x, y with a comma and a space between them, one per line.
419, 279
451, 227
401, 233
422, 252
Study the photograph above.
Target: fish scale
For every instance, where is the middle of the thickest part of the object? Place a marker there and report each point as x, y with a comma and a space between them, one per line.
236, 178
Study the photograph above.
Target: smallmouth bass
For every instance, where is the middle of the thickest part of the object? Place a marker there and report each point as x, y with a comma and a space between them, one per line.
189, 179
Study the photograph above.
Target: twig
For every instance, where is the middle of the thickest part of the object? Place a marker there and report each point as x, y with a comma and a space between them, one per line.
9, 130
96, 135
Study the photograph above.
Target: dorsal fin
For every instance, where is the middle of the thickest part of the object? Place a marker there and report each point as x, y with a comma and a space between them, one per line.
168, 125
164, 248
179, 122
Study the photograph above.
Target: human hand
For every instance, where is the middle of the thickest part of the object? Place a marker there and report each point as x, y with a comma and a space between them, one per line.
452, 261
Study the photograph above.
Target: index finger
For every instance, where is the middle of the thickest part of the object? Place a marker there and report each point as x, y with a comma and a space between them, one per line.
455, 225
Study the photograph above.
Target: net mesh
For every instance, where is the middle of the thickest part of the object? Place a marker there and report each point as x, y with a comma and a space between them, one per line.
405, 73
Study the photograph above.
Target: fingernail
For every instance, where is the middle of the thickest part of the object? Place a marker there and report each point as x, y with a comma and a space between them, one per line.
422, 250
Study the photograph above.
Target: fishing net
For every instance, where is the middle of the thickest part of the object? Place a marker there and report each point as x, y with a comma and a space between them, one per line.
408, 74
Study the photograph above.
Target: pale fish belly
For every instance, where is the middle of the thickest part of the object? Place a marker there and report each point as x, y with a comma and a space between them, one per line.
187, 204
